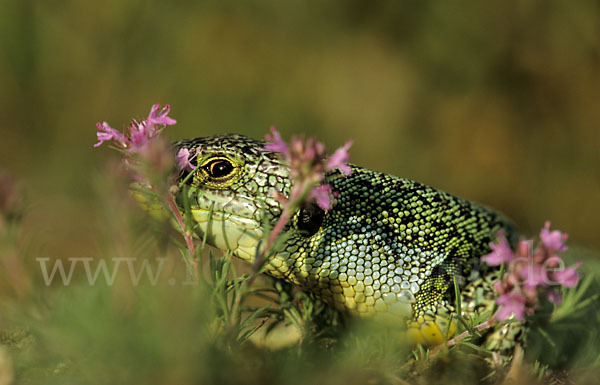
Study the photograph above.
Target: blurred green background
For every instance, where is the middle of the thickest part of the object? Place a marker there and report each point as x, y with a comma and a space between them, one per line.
495, 101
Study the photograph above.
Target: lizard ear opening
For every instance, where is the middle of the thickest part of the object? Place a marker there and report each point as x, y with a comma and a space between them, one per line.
310, 219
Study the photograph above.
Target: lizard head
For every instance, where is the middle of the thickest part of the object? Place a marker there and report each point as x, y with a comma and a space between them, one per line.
232, 190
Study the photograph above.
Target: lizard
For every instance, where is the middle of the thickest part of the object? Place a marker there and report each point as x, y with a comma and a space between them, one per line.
389, 245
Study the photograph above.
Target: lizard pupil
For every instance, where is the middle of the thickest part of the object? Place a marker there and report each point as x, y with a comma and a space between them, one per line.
219, 168
310, 219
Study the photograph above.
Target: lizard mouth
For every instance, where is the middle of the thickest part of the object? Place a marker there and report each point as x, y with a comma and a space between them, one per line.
229, 231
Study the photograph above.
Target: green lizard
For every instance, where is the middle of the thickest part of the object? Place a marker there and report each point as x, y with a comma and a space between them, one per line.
389, 245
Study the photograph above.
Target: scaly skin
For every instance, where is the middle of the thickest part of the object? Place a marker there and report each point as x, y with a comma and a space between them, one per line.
389, 245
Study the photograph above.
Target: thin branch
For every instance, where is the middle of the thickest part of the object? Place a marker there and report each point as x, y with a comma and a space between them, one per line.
456, 339
187, 235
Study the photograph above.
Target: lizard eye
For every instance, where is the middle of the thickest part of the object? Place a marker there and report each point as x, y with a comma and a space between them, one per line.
218, 168
310, 219
218, 172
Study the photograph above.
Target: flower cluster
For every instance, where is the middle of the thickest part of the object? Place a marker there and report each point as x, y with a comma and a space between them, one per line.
139, 133
531, 274
147, 156
308, 165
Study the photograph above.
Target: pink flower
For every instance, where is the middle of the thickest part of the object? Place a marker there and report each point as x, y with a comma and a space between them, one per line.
306, 159
501, 252
553, 240
340, 158
157, 117
275, 143
322, 195
554, 297
534, 276
499, 287
567, 277
106, 133
139, 133
524, 248
184, 160
531, 276
307, 152
511, 303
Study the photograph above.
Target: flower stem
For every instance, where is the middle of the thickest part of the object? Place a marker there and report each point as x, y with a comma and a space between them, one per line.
187, 235
297, 196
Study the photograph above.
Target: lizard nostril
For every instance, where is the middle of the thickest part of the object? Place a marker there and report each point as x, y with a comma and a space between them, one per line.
310, 219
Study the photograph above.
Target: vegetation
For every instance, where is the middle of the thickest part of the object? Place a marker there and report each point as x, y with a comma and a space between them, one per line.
496, 102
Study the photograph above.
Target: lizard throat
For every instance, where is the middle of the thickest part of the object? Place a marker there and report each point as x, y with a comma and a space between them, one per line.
229, 231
